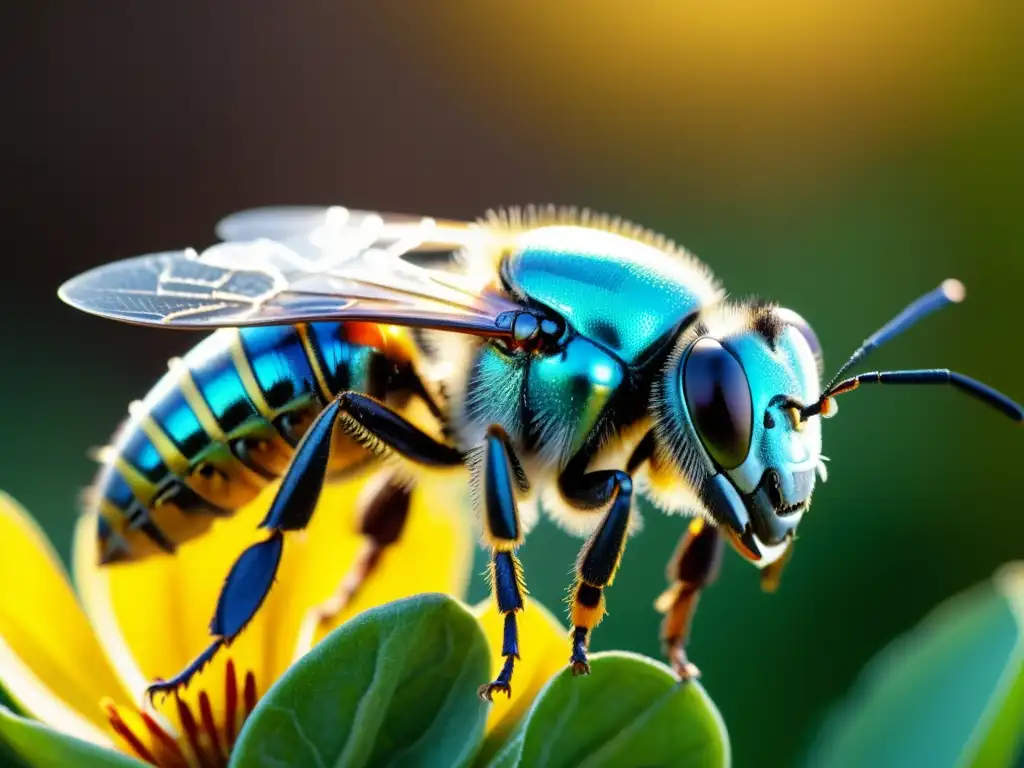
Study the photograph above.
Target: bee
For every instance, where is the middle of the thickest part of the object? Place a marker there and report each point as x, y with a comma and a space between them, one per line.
557, 359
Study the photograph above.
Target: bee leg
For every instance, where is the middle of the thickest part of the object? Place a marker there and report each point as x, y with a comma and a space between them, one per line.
693, 567
499, 473
381, 521
244, 591
600, 556
252, 575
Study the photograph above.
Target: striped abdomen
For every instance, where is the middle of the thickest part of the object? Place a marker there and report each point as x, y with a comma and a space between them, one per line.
224, 421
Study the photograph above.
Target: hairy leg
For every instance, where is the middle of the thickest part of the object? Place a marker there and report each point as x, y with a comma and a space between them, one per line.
382, 517
251, 577
600, 556
497, 475
693, 567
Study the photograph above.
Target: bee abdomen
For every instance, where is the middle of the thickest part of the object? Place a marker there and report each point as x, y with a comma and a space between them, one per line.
221, 424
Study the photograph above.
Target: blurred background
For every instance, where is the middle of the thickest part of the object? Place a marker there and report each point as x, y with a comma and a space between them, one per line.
835, 157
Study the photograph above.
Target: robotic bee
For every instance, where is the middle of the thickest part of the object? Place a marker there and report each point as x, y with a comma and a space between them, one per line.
560, 359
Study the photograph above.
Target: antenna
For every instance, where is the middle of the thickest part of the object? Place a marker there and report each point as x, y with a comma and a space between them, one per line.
949, 292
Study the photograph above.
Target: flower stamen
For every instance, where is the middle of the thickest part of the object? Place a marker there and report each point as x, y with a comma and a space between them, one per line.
121, 729
230, 703
250, 693
203, 743
171, 754
206, 713
188, 723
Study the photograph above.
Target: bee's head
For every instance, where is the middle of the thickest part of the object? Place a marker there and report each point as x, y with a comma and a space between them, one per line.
739, 412
729, 420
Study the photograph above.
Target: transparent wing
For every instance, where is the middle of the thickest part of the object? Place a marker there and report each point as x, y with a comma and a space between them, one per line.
281, 223
312, 227
287, 265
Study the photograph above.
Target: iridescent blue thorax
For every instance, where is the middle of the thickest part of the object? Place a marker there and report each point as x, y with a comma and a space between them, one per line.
623, 294
622, 301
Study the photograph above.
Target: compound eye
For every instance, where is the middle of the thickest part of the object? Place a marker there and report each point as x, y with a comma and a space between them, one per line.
718, 397
789, 317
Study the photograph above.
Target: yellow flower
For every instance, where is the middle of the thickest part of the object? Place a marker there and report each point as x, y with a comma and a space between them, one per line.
80, 663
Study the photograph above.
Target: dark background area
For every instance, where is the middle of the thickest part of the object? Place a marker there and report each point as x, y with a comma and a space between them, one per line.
839, 161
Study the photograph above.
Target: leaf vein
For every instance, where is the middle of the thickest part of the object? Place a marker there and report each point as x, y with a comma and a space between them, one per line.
299, 731
390, 656
559, 726
629, 730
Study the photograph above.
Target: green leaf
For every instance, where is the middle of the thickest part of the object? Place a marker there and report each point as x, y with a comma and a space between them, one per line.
630, 710
396, 685
41, 746
8, 703
950, 692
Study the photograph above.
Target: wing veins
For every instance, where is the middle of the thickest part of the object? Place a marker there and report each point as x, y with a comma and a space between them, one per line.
271, 268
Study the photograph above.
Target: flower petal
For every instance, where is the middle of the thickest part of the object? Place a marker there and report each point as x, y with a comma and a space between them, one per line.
544, 644
51, 663
434, 554
153, 615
